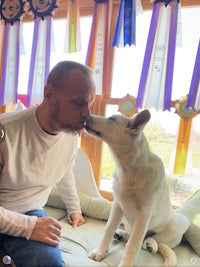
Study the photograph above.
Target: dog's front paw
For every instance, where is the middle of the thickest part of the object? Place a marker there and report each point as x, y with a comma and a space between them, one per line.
96, 255
150, 244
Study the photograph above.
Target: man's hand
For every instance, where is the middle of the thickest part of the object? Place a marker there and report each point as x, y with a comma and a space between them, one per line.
75, 219
47, 230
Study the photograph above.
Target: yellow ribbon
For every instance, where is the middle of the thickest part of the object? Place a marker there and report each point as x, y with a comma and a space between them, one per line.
182, 146
73, 16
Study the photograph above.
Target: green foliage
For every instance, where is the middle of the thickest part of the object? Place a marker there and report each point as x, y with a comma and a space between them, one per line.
160, 142
108, 164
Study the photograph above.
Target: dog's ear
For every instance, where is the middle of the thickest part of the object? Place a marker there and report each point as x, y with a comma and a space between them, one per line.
137, 124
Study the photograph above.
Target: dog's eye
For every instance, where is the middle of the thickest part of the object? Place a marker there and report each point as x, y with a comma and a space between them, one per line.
111, 119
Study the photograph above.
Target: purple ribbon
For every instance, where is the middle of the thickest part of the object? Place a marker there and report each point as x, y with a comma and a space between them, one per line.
89, 50
147, 56
34, 52
4, 64
32, 63
171, 55
195, 81
17, 59
48, 47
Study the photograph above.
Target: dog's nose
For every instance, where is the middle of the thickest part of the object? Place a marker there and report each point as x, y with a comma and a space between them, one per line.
89, 120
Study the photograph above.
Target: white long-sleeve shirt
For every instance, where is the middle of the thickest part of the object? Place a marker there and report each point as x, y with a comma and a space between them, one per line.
31, 162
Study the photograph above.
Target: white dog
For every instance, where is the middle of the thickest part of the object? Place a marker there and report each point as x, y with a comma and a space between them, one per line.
140, 192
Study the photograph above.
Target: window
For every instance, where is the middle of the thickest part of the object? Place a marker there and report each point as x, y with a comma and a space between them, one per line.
57, 47
163, 128
126, 75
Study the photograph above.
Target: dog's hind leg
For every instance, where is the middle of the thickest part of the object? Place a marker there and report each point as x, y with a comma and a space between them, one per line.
170, 259
173, 233
170, 238
113, 222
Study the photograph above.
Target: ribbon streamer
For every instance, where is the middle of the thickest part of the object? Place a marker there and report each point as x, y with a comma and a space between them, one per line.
157, 72
171, 55
73, 36
194, 92
40, 55
11, 13
182, 146
40, 60
183, 141
2, 31
125, 33
10, 64
97, 46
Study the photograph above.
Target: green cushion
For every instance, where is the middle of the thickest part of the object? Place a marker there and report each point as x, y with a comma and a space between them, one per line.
191, 208
97, 208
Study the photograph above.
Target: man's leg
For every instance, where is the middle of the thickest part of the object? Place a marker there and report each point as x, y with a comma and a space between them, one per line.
29, 253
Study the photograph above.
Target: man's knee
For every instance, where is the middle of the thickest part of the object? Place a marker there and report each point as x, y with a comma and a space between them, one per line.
49, 257
43, 256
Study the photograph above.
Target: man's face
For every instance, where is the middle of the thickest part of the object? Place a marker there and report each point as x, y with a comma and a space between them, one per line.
71, 106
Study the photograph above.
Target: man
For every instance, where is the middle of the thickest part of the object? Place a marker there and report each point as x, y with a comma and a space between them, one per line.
38, 152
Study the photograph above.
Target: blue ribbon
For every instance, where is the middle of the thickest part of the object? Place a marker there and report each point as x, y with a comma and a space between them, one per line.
129, 22
128, 16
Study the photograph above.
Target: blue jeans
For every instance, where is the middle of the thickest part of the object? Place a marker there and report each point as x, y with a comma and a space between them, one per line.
29, 253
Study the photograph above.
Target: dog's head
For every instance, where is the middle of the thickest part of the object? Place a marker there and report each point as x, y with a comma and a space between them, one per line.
117, 128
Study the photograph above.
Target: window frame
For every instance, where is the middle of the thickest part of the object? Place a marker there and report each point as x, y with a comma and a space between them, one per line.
91, 146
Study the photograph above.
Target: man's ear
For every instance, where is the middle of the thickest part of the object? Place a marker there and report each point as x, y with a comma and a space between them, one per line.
48, 92
137, 124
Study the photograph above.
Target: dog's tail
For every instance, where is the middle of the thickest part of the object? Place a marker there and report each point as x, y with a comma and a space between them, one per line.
170, 259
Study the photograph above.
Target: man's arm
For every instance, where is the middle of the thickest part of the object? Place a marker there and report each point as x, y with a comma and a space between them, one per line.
16, 224
43, 229
68, 192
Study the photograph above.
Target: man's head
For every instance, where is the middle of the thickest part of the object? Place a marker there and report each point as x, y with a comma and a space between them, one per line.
68, 95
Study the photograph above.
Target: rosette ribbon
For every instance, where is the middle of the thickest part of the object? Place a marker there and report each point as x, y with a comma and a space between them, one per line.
41, 48
155, 85
11, 13
187, 108
184, 135
127, 105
